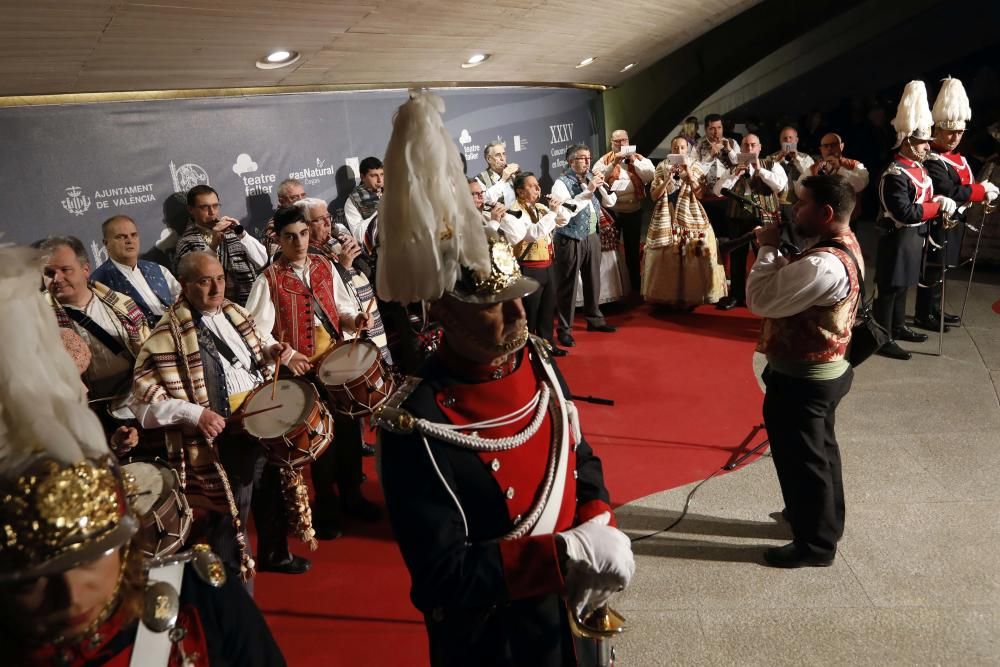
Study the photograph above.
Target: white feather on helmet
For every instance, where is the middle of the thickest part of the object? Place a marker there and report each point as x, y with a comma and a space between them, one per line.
913, 115
428, 226
43, 409
951, 107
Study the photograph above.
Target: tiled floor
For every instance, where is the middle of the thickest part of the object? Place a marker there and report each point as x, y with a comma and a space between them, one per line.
917, 576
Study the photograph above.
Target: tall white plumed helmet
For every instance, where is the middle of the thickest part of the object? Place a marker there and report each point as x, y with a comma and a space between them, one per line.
913, 115
951, 108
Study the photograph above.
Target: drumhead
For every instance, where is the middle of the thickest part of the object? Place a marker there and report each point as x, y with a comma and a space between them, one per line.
347, 362
296, 400
149, 479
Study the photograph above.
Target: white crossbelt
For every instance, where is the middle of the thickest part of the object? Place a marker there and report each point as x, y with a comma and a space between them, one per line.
152, 649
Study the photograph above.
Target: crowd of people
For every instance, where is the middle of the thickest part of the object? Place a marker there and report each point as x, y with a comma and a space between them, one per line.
251, 361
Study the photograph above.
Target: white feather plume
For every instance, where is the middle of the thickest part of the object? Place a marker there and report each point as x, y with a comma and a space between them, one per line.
428, 226
43, 409
913, 111
952, 102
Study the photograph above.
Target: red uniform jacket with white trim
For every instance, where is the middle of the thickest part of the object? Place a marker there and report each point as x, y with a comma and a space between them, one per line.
486, 600
952, 177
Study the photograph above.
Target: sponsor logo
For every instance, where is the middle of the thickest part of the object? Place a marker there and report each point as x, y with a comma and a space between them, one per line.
253, 185
469, 149
187, 176
76, 203
561, 133
126, 195
519, 143
311, 175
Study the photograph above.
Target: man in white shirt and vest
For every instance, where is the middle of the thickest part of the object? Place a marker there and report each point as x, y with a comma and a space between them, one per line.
627, 174
808, 302
152, 287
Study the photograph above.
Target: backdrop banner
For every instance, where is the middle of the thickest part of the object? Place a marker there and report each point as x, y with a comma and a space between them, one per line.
68, 168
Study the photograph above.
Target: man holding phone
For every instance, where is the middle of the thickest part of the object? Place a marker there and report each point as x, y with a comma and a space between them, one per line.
627, 173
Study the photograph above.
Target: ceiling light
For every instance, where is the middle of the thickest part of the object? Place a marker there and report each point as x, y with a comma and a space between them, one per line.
475, 59
278, 58
628, 67
585, 62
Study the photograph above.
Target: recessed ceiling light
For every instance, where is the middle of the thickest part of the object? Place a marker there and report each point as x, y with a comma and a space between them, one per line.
585, 62
278, 58
628, 67
475, 59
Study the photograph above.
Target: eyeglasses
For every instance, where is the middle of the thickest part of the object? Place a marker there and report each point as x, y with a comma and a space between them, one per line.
580, 159
294, 198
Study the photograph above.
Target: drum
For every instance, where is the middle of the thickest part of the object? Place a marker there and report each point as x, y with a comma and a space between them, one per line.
164, 514
353, 375
294, 427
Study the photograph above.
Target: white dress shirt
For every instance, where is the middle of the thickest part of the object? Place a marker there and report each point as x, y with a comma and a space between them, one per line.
355, 223
778, 288
520, 229
138, 281
500, 190
583, 200
239, 378
628, 200
775, 178
261, 306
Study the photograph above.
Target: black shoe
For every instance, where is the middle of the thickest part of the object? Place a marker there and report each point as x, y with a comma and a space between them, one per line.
294, 565
367, 450
329, 530
894, 351
952, 319
566, 340
726, 303
558, 352
791, 555
361, 508
909, 335
604, 327
930, 324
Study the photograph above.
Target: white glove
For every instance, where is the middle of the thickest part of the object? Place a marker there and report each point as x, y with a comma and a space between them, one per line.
948, 205
599, 563
992, 191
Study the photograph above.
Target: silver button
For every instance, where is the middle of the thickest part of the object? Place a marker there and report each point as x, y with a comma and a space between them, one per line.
517, 519
497, 374
574, 474
575, 446
510, 493
495, 464
448, 401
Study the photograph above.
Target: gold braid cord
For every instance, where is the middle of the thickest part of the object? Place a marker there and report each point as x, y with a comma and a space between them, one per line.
247, 563
296, 497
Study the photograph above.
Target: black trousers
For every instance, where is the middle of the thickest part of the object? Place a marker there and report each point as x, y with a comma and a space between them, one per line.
800, 416
540, 305
572, 257
631, 224
339, 465
889, 307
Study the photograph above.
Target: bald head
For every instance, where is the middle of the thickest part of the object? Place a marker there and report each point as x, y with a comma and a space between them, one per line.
750, 144
202, 280
789, 135
831, 145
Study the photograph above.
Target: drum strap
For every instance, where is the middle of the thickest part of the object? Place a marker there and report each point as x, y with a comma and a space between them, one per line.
321, 314
152, 649
95, 330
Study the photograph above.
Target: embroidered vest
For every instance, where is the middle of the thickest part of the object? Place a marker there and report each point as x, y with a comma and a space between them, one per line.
819, 333
761, 193
109, 274
537, 251
583, 223
294, 320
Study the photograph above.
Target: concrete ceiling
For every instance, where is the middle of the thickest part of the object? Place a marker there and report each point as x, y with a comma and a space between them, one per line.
82, 46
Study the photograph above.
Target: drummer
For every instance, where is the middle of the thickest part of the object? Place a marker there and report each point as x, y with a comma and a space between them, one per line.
195, 369
301, 299
109, 322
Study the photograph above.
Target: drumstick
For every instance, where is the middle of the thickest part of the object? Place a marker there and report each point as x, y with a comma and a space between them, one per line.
277, 367
354, 343
239, 417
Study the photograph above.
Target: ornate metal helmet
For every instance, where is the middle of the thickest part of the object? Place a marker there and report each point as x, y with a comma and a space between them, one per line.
62, 500
504, 281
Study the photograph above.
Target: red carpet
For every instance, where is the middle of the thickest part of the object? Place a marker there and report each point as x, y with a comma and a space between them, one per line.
685, 398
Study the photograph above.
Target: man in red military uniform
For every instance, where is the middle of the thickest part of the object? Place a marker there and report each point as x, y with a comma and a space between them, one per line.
952, 177
497, 502
908, 202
